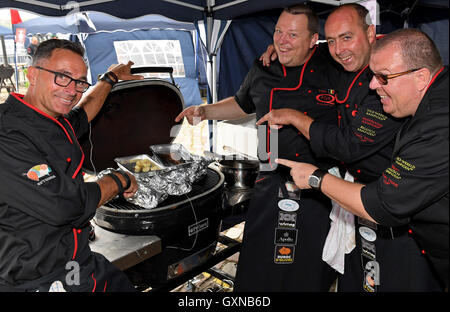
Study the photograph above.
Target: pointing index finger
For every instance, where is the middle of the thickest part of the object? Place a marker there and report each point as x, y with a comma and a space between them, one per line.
285, 162
263, 119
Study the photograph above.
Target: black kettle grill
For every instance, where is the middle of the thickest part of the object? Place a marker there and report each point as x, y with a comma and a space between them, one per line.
136, 115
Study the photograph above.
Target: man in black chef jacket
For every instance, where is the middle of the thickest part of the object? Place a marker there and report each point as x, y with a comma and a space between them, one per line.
285, 229
45, 205
414, 189
363, 140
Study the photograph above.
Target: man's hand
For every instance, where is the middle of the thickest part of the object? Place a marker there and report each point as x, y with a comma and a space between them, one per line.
278, 117
269, 56
133, 187
287, 116
300, 172
123, 71
194, 114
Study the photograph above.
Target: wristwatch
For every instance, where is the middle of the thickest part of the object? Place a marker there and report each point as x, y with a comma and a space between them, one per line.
109, 77
315, 179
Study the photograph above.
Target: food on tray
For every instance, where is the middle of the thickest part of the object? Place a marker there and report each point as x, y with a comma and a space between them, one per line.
171, 159
145, 165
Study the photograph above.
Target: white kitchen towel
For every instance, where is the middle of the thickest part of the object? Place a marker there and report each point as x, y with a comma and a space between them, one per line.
341, 237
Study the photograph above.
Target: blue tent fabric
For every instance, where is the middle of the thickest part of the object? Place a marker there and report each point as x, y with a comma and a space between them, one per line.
132, 9
434, 24
106, 22
5, 31
44, 25
246, 39
100, 59
105, 29
78, 23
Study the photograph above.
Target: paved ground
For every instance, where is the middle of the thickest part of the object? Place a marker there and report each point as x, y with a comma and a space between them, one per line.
3, 96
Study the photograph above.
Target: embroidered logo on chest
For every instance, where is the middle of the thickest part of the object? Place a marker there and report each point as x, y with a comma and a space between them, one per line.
40, 173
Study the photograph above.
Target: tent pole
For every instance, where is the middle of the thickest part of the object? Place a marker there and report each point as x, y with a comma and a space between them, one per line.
5, 56
214, 98
16, 72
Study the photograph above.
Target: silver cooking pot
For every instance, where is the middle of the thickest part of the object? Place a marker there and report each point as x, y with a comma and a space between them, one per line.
239, 172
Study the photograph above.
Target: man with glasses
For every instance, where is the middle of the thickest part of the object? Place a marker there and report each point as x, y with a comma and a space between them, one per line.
45, 205
363, 141
414, 189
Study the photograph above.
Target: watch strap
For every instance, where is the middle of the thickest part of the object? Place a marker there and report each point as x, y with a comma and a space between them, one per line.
118, 182
107, 78
112, 75
126, 177
319, 173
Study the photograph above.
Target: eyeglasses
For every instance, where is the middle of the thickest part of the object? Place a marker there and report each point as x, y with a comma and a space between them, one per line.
383, 79
64, 80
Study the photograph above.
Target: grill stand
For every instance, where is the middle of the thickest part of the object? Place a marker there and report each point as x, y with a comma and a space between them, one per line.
232, 247
235, 206
126, 251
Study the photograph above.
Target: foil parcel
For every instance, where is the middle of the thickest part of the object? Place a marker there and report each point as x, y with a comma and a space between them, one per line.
172, 171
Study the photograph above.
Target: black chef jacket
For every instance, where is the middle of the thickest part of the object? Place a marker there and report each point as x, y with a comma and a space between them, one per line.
303, 88
45, 206
414, 188
364, 138
364, 142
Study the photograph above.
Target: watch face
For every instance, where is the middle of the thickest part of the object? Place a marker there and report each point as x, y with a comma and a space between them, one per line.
313, 181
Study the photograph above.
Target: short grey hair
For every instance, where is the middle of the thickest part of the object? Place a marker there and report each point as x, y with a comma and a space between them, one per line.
417, 48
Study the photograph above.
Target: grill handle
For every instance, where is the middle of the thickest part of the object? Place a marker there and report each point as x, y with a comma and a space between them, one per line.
148, 69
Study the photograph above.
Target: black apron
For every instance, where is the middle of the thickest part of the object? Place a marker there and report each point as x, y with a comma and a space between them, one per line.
386, 259
283, 239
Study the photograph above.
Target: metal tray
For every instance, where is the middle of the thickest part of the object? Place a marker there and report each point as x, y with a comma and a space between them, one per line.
171, 155
129, 164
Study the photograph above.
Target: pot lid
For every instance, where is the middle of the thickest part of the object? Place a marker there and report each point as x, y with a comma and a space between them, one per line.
135, 115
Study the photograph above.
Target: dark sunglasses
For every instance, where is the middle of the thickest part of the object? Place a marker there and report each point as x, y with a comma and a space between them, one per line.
383, 79
64, 80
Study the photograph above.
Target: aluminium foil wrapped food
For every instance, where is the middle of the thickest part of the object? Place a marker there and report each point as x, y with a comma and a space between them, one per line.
159, 178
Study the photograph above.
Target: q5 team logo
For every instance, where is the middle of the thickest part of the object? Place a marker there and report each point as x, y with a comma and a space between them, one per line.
38, 172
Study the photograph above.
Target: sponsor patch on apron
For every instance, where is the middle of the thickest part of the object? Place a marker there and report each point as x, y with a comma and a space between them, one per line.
284, 254
370, 266
287, 219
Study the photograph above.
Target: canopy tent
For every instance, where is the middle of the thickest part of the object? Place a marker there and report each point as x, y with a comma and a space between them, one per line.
89, 22
248, 36
190, 11
96, 29
180, 10
214, 15
70, 24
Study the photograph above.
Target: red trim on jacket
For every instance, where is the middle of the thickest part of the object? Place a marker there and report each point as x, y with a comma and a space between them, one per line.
95, 282
285, 89
82, 153
75, 240
351, 86
434, 77
19, 97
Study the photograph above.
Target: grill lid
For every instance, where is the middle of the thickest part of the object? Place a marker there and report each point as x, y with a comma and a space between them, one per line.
136, 114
